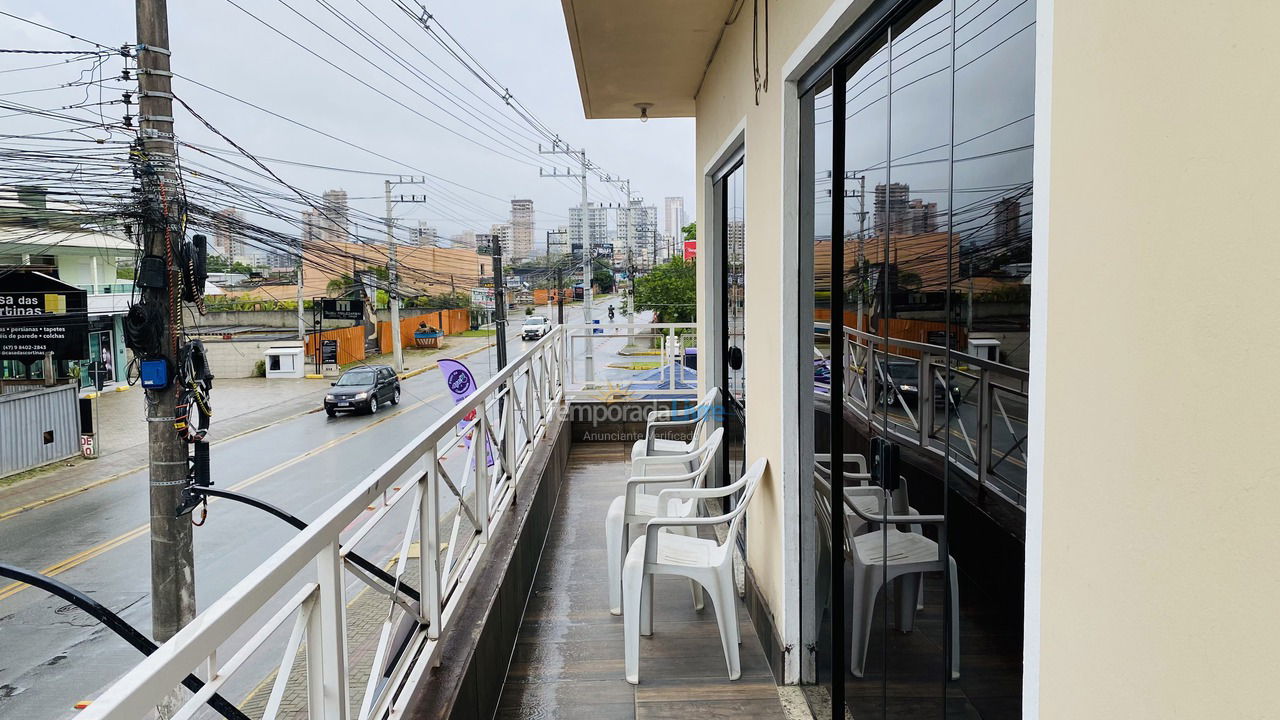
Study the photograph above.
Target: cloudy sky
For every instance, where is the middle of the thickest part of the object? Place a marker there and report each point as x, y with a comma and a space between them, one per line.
481, 146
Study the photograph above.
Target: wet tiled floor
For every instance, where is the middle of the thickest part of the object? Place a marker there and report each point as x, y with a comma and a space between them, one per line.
568, 658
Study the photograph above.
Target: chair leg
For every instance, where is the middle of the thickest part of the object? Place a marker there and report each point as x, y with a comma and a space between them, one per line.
871, 579
646, 605
727, 618
906, 602
698, 600
633, 581
955, 621
822, 583
615, 543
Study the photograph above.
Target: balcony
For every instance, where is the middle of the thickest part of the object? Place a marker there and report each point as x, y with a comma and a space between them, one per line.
509, 616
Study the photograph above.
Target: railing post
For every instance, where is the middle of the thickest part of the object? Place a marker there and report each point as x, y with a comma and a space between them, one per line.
327, 641
509, 430
984, 430
482, 469
869, 372
429, 546
925, 392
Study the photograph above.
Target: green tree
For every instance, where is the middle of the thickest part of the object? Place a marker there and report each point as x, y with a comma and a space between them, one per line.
603, 279
690, 231
670, 290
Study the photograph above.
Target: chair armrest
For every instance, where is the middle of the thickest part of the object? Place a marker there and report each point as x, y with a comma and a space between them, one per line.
654, 526
892, 519
855, 458
643, 463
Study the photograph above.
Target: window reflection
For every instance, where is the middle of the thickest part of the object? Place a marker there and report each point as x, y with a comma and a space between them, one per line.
934, 285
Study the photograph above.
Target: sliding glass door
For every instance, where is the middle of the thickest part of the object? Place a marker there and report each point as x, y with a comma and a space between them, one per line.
915, 214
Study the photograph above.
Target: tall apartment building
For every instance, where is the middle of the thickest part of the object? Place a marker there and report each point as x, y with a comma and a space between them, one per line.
501, 233
639, 235
333, 222
597, 224
522, 229
425, 234
673, 219
226, 239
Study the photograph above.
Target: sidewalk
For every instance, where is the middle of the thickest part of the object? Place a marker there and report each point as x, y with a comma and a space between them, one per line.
240, 406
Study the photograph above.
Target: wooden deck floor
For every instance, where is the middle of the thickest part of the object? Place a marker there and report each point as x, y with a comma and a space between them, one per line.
568, 658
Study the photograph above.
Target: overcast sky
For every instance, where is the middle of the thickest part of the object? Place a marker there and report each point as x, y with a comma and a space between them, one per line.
522, 42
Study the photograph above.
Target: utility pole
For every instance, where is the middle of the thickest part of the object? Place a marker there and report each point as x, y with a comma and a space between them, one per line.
559, 148
397, 349
173, 597
499, 303
302, 327
560, 293
628, 234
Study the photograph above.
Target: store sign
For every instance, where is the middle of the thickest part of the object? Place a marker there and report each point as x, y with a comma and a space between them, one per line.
329, 351
690, 249
40, 314
338, 309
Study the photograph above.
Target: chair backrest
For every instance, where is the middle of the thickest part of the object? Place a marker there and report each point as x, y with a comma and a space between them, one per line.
706, 409
750, 481
707, 454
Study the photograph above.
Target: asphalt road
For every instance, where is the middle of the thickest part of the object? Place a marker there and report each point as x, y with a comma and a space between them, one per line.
53, 655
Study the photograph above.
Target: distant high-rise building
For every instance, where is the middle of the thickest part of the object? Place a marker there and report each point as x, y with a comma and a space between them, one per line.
484, 243
333, 221
1008, 222
891, 207
502, 235
464, 239
597, 224
226, 234
425, 234
921, 217
522, 228
643, 232
674, 216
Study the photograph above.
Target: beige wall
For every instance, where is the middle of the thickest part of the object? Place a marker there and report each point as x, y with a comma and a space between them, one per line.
1161, 480
725, 104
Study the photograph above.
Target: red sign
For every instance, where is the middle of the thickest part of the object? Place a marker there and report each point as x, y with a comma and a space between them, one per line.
690, 249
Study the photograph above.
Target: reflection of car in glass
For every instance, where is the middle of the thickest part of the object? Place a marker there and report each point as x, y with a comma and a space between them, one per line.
904, 376
535, 327
363, 388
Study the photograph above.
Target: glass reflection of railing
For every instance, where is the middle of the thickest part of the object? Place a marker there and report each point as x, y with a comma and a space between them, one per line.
975, 415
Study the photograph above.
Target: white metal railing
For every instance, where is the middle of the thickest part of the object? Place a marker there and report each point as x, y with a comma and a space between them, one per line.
446, 490
662, 345
978, 409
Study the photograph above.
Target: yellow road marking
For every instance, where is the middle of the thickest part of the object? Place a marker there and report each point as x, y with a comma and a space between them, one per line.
93, 552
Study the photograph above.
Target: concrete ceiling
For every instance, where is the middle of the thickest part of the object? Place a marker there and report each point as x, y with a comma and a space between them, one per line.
642, 51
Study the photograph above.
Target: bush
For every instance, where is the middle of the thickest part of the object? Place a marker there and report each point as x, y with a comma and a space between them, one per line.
528, 310
260, 368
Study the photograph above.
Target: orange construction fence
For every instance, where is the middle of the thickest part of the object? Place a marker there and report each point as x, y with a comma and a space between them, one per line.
450, 322
350, 343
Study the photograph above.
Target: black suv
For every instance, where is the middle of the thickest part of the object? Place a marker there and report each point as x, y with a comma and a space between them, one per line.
363, 388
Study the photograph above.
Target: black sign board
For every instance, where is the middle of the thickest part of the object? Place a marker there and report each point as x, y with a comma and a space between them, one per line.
329, 352
341, 309
40, 314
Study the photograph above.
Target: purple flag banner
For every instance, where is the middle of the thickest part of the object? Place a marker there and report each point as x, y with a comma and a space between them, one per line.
462, 384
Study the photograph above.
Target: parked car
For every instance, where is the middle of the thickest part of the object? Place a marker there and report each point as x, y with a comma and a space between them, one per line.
364, 388
905, 378
535, 327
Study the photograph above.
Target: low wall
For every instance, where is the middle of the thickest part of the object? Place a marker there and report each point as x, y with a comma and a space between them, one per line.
236, 358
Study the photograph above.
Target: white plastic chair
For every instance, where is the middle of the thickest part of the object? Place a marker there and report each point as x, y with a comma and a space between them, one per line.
884, 555
695, 417
636, 506
665, 551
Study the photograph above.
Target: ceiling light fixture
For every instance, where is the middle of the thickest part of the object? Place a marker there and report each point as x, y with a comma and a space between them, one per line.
644, 111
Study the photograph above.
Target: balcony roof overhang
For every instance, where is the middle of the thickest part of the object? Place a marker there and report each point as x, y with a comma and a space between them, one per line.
654, 52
